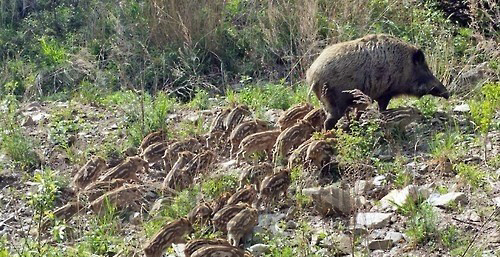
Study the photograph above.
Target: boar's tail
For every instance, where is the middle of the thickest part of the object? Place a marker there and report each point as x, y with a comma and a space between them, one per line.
313, 84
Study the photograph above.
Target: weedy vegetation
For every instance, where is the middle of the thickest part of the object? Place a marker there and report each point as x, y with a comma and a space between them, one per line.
109, 74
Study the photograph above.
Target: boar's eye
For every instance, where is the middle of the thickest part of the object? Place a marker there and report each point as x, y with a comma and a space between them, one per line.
418, 57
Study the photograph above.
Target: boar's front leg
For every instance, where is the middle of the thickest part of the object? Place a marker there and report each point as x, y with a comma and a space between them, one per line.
383, 101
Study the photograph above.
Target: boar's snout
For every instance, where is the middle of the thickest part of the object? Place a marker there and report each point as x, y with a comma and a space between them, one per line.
439, 90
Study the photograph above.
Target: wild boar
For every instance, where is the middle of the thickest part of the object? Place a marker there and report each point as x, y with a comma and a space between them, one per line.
381, 66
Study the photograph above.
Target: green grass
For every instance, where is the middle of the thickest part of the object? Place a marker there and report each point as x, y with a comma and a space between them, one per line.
422, 222
156, 110
215, 186
189, 129
20, 149
471, 174
200, 101
447, 144
270, 96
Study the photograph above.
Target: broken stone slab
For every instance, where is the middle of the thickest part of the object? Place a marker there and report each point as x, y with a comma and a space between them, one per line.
397, 197
330, 200
380, 244
416, 168
446, 199
372, 220
340, 244
193, 117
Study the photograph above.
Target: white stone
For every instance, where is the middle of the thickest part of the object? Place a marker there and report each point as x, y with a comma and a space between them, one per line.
372, 220
379, 180
496, 200
229, 164
179, 249
259, 249
462, 108
446, 199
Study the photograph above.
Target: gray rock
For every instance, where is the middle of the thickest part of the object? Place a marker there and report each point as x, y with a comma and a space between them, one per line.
259, 249
461, 108
382, 244
158, 205
446, 199
330, 200
371, 220
470, 77
270, 222
378, 233
359, 231
415, 168
340, 244
291, 224
272, 115
396, 237
193, 117
361, 187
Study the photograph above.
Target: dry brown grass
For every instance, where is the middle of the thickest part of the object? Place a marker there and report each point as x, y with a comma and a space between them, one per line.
191, 22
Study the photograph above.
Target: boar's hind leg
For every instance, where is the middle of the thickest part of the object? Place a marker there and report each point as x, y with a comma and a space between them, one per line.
336, 106
383, 101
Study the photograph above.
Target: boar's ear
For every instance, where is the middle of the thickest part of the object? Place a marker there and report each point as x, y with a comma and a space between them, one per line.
418, 57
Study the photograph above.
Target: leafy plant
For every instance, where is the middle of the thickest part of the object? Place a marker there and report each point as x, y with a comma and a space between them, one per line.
484, 107
358, 145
